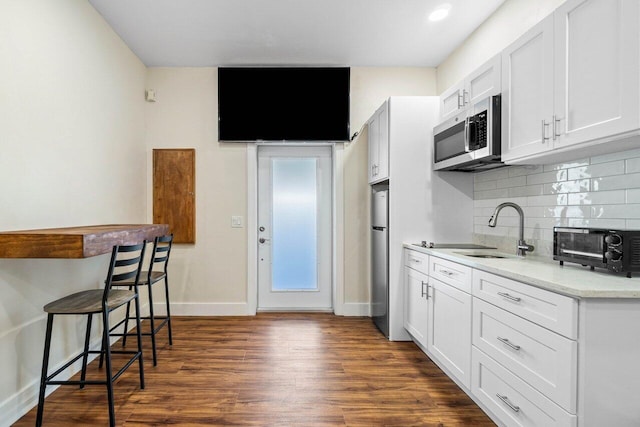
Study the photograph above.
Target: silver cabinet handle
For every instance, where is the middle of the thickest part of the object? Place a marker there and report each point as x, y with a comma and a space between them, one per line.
460, 100
544, 131
506, 401
415, 260
511, 297
509, 343
425, 293
556, 127
447, 272
465, 97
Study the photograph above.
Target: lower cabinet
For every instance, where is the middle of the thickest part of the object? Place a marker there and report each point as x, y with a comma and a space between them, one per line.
416, 318
449, 329
528, 356
512, 400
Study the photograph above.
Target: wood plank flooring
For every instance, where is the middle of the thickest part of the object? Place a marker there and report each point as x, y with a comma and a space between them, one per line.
274, 369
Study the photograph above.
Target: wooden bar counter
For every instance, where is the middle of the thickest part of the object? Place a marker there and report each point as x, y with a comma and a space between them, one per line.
75, 242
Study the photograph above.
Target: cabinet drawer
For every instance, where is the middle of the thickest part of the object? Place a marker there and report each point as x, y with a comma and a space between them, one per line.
544, 359
553, 311
512, 400
451, 273
416, 260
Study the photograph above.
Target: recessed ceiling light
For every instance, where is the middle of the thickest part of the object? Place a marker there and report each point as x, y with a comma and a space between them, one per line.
440, 12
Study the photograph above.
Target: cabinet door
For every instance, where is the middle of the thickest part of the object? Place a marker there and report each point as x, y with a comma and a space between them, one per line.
415, 307
373, 146
483, 82
451, 101
527, 93
382, 172
449, 334
596, 70
174, 192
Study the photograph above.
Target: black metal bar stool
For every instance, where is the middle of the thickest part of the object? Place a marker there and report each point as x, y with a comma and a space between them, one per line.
125, 264
157, 272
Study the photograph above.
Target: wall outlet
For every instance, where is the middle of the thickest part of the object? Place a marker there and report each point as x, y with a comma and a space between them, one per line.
236, 221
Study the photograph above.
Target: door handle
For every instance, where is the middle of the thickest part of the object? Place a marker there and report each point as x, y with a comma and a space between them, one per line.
262, 240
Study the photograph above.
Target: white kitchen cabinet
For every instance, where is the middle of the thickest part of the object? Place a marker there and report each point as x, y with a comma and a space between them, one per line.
379, 145
527, 92
572, 82
483, 82
416, 308
513, 401
534, 357
596, 49
449, 329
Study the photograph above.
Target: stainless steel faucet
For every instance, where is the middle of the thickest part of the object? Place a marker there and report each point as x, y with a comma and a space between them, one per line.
522, 247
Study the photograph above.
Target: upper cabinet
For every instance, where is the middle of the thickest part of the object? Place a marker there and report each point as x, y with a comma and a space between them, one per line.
571, 80
483, 82
379, 144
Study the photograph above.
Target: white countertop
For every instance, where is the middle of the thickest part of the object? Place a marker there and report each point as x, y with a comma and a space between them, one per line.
571, 279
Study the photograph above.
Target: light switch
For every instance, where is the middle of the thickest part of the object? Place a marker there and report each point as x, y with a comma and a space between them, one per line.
236, 221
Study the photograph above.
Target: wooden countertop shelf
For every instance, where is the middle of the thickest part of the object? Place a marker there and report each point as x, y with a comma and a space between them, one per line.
75, 242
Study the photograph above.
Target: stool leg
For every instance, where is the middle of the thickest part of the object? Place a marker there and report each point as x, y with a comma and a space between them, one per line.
102, 348
45, 367
107, 359
153, 326
166, 293
86, 349
126, 322
140, 363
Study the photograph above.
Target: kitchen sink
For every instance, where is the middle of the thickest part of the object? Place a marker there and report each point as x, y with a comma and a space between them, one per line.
482, 254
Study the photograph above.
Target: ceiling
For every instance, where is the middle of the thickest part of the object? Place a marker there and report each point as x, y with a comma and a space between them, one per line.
195, 33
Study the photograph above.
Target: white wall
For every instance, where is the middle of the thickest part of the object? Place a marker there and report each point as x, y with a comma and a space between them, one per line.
503, 27
210, 277
601, 192
71, 153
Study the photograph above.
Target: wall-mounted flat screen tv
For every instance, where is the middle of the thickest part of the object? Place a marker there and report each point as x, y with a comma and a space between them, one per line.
283, 104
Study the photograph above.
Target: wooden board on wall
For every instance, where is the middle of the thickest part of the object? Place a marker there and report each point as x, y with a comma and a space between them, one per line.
174, 192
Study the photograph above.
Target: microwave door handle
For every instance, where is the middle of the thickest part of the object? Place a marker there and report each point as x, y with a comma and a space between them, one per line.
466, 135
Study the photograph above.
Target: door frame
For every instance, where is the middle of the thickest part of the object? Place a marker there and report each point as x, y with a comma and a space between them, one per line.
337, 224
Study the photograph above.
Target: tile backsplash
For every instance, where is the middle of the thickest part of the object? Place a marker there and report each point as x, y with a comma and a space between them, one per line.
601, 191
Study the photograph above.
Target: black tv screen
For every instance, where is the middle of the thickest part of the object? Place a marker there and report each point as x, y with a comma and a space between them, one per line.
283, 104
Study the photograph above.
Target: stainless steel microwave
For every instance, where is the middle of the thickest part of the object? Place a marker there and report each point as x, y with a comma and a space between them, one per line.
470, 141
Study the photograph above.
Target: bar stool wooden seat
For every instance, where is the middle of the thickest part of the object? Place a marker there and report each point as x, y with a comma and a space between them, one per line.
125, 264
157, 271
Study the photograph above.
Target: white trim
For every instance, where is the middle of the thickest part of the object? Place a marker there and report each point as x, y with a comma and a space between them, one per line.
207, 309
338, 226
252, 229
338, 229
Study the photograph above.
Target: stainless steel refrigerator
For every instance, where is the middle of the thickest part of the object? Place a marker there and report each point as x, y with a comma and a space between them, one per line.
380, 258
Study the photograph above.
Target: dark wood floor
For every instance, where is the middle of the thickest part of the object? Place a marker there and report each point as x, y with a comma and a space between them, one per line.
274, 370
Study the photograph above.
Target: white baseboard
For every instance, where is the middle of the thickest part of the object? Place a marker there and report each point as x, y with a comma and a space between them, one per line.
204, 309
356, 309
240, 309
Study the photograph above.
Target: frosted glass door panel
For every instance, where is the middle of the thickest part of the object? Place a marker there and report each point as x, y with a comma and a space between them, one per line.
295, 208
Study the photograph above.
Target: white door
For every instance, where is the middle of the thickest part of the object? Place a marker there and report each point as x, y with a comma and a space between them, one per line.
416, 317
294, 228
596, 66
449, 333
527, 93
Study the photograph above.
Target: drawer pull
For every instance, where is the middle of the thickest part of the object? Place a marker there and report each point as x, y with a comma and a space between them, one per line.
509, 343
505, 399
447, 272
507, 296
416, 260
